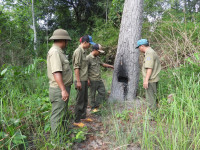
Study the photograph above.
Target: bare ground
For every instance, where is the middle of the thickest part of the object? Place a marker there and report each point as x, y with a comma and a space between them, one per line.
99, 138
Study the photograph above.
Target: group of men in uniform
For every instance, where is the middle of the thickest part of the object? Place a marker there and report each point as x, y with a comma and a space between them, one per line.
87, 73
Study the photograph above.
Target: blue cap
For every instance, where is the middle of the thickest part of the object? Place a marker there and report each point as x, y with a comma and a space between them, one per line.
142, 42
90, 40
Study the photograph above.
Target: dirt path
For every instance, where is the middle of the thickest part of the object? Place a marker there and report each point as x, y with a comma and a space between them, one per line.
97, 134
95, 137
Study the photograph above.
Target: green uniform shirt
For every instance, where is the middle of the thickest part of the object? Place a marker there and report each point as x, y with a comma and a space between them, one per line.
57, 62
151, 61
94, 69
80, 62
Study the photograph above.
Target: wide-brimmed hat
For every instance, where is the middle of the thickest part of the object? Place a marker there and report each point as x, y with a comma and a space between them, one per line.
60, 34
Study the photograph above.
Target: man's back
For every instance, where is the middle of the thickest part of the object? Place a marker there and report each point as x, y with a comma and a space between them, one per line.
94, 67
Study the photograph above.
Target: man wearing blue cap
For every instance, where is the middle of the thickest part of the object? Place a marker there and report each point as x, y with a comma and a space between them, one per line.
80, 65
90, 40
150, 71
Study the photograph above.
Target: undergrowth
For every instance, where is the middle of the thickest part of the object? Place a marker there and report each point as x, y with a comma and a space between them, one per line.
25, 111
175, 124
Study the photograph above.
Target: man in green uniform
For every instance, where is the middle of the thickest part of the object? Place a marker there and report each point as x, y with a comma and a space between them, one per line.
150, 70
60, 79
94, 75
80, 64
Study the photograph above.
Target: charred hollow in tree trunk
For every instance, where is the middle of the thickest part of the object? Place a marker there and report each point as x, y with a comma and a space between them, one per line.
126, 72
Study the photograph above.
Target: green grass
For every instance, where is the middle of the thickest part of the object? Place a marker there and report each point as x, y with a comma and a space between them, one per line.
25, 108
176, 124
25, 111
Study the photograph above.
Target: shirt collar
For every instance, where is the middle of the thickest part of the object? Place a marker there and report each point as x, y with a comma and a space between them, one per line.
57, 47
81, 48
92, 55
147, 50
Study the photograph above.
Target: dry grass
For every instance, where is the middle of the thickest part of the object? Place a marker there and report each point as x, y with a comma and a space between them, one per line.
175, 41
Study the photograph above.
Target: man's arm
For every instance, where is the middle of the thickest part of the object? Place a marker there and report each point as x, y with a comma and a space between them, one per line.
146, 80
107, 66
77, 74
59, 80
89, 83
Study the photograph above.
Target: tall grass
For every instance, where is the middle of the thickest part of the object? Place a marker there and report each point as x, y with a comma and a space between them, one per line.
25, 108
178, 120
25, 111
176, 123
24, 105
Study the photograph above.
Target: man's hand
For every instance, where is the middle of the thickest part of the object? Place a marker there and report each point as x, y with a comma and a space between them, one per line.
65, 95
145, 84
78, 85
108, 66
59, 80
89, 83
146, 80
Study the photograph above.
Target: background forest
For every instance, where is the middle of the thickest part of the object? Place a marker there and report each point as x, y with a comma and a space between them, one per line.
171, 26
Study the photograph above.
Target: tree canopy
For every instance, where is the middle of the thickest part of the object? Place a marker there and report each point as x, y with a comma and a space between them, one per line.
100, 18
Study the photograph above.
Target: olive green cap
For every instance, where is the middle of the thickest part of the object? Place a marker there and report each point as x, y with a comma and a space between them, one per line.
60, 34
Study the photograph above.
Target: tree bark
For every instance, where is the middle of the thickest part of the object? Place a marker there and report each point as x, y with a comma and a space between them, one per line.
126, 72
34, 28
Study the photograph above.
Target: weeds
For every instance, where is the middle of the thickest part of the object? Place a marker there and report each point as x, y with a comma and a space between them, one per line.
175, 125
25, 112
25, 109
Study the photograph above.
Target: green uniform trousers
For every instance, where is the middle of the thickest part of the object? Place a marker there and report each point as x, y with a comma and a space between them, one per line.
81, 101
96, 100
151, 95
59, 109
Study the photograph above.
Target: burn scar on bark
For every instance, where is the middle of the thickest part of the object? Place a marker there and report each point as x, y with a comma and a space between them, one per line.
122, 76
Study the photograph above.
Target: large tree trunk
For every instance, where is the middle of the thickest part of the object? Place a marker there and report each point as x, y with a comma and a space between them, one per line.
126, 72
